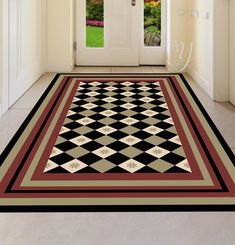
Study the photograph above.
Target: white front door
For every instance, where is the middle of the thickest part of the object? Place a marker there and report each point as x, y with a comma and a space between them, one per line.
120, 37
120, 32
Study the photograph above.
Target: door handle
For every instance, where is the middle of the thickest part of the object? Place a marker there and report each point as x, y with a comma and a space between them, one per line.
133, 2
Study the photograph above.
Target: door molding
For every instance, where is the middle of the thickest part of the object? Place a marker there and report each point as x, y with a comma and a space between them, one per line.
5, 57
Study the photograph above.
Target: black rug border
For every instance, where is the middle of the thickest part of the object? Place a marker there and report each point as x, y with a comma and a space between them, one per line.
115, 208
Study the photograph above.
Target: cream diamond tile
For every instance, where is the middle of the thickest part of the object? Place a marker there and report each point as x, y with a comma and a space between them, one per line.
184, 165
85, 121
95, 83
111, 88
176, 140
49, 166
104, 152
80, 88
81, 140
103, 166
153, 130
128, 106
146, 99
127, 93
74, 166
157, 84
92, 94
144, 88
127, 83
160, 166
64, 130
131, 165
109, 99
164, 106
157, 152
106, 130
169, 120
149, 113
130, 140
129, 121
82, 83
70, 113
108, 113
75, 99
159, 93
55, 151
89, 106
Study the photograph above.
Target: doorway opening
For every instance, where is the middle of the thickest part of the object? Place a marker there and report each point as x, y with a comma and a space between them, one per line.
121, 33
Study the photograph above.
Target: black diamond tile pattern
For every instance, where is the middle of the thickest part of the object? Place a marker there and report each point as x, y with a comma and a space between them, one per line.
118, 127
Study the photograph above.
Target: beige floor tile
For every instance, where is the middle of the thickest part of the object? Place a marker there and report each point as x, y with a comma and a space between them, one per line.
159, 69
30, 98
9, 124
84, 69
117, 228
127, 70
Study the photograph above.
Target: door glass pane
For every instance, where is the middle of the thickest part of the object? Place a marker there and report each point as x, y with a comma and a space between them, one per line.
94, 23
152, 23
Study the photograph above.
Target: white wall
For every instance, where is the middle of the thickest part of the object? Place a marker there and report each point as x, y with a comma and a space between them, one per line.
201, 33
26, 45
208, 29
1, 53
60, 35
232, 51
176, 30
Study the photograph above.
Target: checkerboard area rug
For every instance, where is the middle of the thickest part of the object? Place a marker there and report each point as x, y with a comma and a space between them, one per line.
117, 143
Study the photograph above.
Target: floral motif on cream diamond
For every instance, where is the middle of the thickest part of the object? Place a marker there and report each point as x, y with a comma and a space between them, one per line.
130, 140
49, 166
108, 113
129, 121
131, 165
64, 130
104, 152
81, 140
128, 94
74, 166
149, 113
128, 106
89, 106
176, 140
92, 94
153, 130
85, 121
157, 152
184, 165
106, 130
109, 99
146, 99
111, 88
127, 83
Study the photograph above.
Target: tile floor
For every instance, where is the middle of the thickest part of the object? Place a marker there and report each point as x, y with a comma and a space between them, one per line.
116, 228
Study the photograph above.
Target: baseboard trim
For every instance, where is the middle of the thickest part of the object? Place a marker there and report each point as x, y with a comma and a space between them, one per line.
59, 67
202, 82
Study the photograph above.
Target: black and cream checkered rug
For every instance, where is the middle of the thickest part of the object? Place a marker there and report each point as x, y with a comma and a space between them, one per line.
118, 128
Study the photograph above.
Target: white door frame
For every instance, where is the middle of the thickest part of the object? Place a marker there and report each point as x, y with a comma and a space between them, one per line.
5, 59
154, 55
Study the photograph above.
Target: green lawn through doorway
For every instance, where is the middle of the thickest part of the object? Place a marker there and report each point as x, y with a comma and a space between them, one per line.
94, 37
